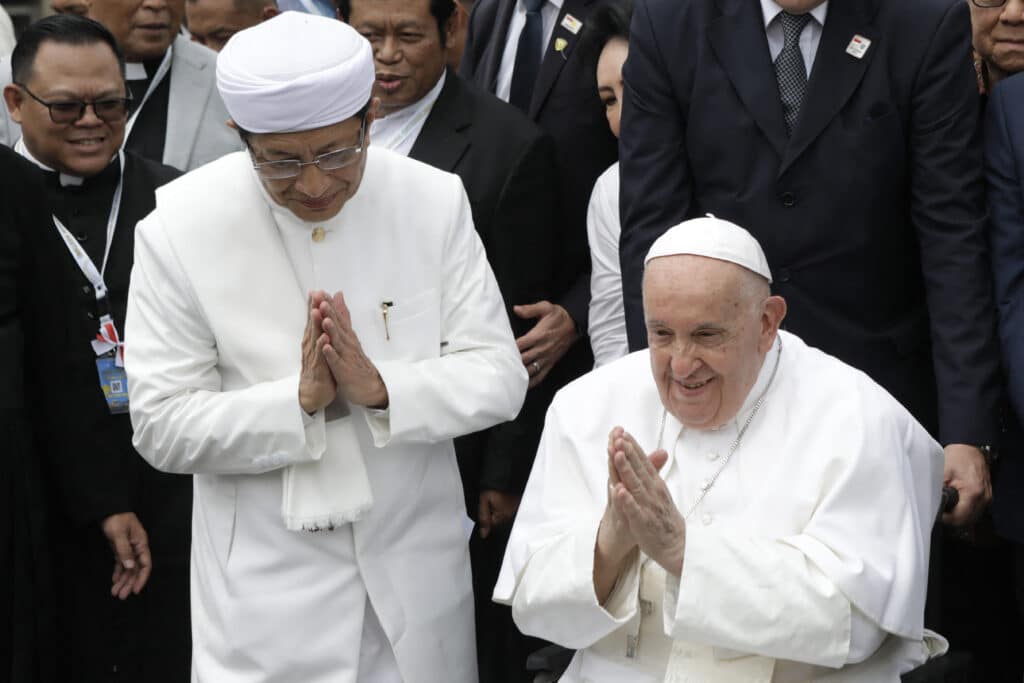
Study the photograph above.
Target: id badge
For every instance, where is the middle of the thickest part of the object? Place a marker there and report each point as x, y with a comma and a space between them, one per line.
114, 383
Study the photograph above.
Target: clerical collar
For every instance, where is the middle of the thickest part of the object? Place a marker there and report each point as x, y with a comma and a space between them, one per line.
65, 179
398, 130
135, 71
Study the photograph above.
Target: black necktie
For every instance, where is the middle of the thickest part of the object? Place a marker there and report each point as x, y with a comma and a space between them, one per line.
524, 74
790, 70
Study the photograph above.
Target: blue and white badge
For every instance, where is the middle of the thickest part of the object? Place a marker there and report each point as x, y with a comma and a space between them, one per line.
114, 383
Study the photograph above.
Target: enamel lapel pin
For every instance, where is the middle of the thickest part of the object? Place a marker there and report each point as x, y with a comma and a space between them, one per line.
858, 46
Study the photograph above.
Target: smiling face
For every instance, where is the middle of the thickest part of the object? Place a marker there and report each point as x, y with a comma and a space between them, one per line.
61, 73
314, 195
998, 34
143, 28
709, 325
609, 80
408, 51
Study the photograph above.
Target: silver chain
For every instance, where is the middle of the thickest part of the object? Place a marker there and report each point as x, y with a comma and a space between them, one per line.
708, 484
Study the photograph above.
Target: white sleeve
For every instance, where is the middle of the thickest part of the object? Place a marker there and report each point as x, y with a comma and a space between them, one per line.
184, 422
606, 322
479, 379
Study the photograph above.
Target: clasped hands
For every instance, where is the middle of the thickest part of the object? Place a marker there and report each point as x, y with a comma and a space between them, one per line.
640, 514
333, 362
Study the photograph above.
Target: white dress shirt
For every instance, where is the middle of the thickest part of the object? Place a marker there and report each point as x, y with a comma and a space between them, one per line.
399, 130
607, 321
809, 39
549, 15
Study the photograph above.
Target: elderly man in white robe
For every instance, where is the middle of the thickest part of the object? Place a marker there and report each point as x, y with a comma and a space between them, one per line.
730, 505
310, 322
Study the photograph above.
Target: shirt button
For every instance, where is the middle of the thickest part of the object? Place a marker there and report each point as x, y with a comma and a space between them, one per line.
788, 199
712, 456
707, 518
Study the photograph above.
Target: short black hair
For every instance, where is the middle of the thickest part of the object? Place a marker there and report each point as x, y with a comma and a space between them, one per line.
609, 21
442, 10
361, 114
65, 29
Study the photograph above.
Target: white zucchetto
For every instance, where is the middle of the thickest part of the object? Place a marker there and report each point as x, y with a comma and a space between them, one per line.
295, 72
713, 238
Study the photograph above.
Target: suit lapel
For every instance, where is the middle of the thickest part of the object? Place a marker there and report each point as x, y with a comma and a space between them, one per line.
739, 41
186, 103
553, 60
496, 47
441, 142
835, 75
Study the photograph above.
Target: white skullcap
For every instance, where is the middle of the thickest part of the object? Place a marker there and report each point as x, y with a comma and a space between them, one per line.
295, 72
713, 238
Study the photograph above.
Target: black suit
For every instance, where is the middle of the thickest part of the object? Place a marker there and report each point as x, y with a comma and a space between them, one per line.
26, 611
92, 465
506, 164
872, 215
565, 104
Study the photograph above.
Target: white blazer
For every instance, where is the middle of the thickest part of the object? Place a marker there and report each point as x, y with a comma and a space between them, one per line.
214, 323
197, 130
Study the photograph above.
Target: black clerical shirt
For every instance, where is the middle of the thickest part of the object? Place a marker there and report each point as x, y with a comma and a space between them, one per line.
150, 130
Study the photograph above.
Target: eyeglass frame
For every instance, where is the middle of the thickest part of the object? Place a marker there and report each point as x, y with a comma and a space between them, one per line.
358, 150
82, 106
996, 4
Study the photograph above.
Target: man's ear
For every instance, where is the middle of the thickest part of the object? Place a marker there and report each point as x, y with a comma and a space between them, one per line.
771, 319
269, 12
451, 27
13, 99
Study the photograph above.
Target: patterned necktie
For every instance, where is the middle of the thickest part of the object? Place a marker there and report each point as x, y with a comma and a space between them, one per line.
524, 73
790, 70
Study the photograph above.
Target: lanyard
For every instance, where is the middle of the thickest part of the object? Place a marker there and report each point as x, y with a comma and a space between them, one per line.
161, 72
85, 263
107, 339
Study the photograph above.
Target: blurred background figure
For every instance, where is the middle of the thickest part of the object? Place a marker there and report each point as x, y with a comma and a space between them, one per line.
176, 116
212, 22
324, 8
998, 32
111, 509
608, 40
6, 33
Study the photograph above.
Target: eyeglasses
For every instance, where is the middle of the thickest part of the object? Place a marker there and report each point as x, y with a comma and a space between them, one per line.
326, 162
109, 110
988, 4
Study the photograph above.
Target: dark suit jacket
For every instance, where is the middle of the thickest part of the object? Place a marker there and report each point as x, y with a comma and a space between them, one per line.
1004, 155
872, 215
507, 165
566, 105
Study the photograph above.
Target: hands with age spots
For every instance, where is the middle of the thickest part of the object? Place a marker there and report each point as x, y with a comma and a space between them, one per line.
355, 374
640, 502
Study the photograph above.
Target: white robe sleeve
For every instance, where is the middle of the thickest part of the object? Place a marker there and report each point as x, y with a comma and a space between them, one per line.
183, 421
479, 379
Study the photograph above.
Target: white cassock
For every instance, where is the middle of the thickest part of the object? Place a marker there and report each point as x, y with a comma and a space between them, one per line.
216, 315
808, 554
607, 321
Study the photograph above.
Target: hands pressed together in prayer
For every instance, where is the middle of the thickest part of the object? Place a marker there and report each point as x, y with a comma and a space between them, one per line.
333, 362
548, 340
132, 559
640, 514
966, 470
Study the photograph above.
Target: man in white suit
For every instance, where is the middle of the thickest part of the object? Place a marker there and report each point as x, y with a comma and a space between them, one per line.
177, 116
301, 411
